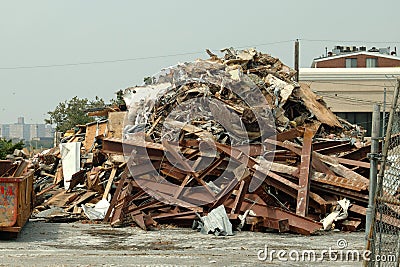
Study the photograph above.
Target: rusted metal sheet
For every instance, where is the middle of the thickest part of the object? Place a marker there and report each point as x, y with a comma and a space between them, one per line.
304, 178
16, 202
8, 203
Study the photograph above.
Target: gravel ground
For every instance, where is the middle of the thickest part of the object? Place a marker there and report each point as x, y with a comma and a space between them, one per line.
79, 244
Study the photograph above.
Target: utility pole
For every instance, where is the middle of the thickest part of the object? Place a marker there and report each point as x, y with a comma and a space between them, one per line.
373, 171
384, 111
296, 59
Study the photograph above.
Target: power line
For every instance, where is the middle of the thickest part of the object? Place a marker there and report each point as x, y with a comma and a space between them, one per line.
352, 41
354, 84
97, 62
349, 99
173, 55
272, 43
130, 59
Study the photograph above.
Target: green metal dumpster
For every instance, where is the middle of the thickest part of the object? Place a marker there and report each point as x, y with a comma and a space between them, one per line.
16, 202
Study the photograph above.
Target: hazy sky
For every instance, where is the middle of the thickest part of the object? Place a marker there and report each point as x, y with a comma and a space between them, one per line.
51, 32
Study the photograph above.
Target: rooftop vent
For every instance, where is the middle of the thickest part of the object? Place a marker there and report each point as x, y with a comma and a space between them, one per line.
373, 49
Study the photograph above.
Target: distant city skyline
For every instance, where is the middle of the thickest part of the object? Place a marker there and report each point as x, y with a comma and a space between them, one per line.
25, 131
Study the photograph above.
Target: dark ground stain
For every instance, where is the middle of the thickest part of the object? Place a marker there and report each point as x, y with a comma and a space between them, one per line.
114, 240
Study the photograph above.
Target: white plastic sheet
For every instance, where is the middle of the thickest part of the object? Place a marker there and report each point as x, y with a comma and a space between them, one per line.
71, 160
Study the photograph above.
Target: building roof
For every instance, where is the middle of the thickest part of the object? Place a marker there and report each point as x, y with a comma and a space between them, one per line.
313, 74
372, 54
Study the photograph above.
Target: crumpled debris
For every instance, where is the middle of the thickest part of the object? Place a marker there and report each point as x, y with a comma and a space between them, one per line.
216, 222
52, 212
240, 94
340, 213
243, 217
98, 211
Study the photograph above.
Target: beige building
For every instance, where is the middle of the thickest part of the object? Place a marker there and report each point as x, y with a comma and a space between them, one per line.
23, 131
351, 92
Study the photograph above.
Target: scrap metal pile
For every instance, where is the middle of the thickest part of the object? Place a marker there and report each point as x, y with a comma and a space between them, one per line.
231, 137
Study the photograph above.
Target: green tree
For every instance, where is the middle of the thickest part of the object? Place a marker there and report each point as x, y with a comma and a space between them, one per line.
7, 147
73, 112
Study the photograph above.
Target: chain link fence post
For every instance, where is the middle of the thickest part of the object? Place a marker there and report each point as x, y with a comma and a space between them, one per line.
383, 239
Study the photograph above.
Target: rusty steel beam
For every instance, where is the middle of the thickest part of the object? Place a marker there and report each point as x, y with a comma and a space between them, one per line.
152, 204
351, 162
282, 180
361, 153
358, 209
335, 180
290, 134
327, 143
172, 172
254, 149
282, 225
226, 192
243, 187
186, 179
119, 205
166, 190
350, 224
173, 201
297, 224
144, 168
291, 189
340, 192
284, 155
190, 169
336, 149
252, 164
304, 177
211, 167
149, 149
172, 216
316, 162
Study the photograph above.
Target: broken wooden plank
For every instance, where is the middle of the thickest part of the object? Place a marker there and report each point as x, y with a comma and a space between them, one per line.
109, 182
21, 168
320, 111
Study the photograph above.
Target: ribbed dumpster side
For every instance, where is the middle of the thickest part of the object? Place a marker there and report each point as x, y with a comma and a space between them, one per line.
16, 197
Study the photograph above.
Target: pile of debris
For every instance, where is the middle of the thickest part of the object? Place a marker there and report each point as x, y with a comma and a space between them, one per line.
74, 179
231, 140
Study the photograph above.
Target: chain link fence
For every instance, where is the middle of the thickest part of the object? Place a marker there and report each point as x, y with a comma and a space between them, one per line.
385, 241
